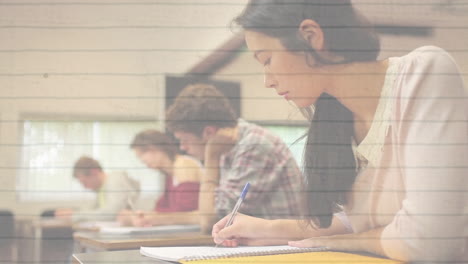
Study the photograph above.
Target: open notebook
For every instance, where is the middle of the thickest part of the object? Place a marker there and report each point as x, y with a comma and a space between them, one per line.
165, 229
200, 253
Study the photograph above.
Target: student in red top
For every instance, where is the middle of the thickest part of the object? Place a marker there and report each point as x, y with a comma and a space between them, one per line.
179, 202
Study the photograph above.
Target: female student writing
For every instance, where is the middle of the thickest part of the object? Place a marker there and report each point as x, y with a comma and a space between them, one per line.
179, 202
387, 141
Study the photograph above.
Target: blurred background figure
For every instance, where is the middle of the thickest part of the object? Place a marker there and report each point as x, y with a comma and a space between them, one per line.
114, 191
182, 174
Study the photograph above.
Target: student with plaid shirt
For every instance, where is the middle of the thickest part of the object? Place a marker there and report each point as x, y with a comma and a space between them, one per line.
234, 152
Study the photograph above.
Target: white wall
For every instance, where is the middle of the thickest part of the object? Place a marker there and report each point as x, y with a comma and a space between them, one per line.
94, 60
448, 18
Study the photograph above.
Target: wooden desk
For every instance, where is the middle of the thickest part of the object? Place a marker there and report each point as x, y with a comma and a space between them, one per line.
93, 226
127, 256
134, 257
102, 242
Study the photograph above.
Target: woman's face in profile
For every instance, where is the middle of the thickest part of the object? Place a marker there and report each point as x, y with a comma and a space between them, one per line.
290, 74
153, 158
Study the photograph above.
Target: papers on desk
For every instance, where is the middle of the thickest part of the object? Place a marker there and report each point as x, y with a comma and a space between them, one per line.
201, 253
97, 224
166, 229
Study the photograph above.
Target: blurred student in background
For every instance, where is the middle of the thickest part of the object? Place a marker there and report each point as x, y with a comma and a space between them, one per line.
234, 152
182, 181
114, 190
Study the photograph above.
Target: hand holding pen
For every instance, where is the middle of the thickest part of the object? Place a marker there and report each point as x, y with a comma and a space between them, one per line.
236, 208
124, 217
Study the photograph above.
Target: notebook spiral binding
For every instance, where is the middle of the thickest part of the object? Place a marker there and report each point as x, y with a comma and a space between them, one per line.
256, 253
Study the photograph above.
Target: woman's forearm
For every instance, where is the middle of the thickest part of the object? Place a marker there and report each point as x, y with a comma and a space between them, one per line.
291, 229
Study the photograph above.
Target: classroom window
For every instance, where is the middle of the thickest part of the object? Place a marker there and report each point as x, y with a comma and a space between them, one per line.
50, 148
290, 134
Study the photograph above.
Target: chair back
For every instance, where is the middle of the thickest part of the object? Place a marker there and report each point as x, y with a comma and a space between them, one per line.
7, 226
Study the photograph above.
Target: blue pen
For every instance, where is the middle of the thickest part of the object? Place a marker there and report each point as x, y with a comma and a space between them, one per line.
236, 207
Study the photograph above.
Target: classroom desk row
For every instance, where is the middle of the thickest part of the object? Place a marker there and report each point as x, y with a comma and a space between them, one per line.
87, 239
94, 247
94, 241
124, 256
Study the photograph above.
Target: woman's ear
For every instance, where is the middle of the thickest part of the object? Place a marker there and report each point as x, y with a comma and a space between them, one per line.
312, 33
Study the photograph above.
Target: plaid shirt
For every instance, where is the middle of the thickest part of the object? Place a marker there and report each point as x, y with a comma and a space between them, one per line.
264, 160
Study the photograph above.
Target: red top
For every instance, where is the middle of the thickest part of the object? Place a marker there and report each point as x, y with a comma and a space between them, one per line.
180, 198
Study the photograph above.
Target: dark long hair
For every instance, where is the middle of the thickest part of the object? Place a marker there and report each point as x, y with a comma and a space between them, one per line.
329, 163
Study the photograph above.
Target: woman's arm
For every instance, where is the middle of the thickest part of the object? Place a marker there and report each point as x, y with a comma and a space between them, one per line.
368, 241
432, 148
248, 230
431, 143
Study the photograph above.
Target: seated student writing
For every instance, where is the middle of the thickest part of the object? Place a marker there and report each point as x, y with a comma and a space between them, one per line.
113, 191
182, 176
234, 152
387, 142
